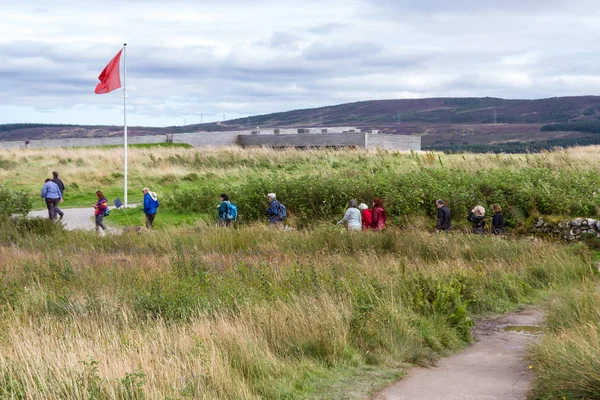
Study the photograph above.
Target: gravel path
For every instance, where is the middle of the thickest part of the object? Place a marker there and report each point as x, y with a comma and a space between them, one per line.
77, 218
494, 368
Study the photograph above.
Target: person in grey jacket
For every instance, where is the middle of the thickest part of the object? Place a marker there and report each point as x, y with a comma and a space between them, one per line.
51, 195
352, 219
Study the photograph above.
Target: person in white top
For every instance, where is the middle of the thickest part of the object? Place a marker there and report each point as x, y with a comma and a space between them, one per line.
352, 219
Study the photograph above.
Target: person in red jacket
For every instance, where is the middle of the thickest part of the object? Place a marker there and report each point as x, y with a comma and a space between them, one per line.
366, 216
99, 210
377, 215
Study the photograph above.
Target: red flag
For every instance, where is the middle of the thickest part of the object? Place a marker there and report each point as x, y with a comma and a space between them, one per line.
110, 78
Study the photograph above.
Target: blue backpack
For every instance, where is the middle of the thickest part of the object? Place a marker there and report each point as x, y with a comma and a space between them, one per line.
232, 212
282, 212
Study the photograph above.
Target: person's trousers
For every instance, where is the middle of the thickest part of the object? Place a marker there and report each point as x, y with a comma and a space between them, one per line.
150, 220
58, 211
99, 222
52, 205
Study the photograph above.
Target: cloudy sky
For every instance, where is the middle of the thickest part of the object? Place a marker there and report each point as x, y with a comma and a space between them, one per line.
188, 60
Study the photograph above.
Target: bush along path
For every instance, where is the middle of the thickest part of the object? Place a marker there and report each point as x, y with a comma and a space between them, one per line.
495, 367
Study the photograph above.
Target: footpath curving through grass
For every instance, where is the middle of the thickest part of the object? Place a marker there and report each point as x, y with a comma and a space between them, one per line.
250, 313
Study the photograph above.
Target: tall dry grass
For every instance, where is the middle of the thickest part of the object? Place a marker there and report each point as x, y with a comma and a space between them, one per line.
567, 360
249, 313
92, 167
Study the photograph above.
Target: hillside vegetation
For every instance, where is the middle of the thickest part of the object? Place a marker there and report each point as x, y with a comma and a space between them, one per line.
438, 110
316, 185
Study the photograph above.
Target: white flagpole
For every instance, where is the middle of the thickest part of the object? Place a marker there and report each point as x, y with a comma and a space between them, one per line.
125, 122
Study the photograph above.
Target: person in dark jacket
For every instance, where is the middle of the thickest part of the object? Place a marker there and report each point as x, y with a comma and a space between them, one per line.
273, 211
99, 210
444, 222
223, 210
477, 218
61, 186
378, 217
52, 195
497, 220
150, 206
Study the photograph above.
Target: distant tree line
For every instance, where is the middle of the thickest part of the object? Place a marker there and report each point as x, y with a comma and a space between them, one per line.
578, 126
515, 147
13, 127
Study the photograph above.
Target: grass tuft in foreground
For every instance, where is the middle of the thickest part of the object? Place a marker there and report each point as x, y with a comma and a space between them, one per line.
567, 360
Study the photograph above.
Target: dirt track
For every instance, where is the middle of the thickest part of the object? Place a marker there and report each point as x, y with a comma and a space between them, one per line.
494, 368
75, 218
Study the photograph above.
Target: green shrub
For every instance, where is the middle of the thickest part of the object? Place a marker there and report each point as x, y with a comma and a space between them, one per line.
316, 197
12, 202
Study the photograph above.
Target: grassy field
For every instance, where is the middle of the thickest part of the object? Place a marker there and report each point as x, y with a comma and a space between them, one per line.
194, 311
251, 313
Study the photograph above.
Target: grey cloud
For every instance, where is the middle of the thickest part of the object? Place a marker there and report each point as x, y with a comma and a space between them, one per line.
284, 40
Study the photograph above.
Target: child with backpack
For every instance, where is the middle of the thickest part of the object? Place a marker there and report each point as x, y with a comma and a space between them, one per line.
100, 211
276, 211
227, 211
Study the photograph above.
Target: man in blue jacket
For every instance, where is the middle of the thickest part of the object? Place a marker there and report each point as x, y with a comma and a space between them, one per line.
150, 205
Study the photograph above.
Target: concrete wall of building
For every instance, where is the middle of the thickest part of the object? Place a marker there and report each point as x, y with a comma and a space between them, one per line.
394, 142
304, 140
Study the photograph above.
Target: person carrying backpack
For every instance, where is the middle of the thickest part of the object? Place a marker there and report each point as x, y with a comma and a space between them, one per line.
227, 211
100, 211
276, 211
150, 206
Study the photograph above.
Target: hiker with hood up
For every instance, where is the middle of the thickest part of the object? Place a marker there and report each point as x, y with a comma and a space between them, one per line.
151, 204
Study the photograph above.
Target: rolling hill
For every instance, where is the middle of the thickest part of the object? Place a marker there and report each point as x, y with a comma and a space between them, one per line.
476, 124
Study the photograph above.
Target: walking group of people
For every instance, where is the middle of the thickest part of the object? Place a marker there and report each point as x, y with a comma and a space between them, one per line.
358, 217
52, 195
476, 216
362, 218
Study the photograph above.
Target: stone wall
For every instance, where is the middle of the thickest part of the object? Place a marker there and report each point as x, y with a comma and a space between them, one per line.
567, 229
394, 142
85, 142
